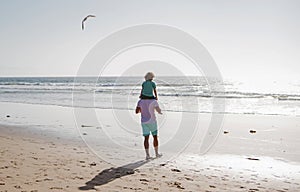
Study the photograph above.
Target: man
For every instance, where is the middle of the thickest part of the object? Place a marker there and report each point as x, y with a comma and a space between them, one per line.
147, 108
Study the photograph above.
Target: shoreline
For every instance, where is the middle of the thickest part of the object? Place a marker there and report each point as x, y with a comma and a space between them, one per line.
172, 111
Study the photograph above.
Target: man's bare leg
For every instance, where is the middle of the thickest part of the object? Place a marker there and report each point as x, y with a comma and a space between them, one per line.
146, 145
155, 144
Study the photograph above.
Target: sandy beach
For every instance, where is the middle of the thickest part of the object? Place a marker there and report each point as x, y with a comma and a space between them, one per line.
84, 83
36, 159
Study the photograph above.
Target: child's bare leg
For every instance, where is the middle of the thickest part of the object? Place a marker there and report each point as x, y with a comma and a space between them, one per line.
146, 145
155, 144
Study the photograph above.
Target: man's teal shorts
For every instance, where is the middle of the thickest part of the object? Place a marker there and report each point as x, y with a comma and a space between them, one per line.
149, 127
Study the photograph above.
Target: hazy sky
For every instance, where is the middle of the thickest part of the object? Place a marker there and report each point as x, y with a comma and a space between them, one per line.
248, 39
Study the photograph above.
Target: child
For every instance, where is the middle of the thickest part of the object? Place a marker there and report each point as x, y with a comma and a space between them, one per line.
147, 109
148, 87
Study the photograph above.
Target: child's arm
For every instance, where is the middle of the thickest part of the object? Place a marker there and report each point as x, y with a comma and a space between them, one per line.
155, 93
141, 91
158, 110
137, 110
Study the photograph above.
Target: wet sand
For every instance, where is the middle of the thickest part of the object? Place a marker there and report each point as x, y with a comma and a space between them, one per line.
253, 153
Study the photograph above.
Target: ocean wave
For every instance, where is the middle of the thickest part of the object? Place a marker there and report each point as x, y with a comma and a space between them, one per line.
288, 98
163, 93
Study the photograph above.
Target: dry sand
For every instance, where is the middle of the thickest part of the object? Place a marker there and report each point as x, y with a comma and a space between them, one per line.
36, 163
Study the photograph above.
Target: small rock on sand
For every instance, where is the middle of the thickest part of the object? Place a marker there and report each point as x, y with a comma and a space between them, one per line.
252, 131
7, 116
254, 159
225, 132
86, 126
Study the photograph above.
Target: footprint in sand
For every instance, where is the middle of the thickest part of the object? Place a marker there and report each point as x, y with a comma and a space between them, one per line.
56, 188
178, 185
253, 190
144, 180
175, 170
189, 179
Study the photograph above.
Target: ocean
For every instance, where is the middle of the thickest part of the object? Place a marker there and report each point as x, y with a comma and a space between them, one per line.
179, 94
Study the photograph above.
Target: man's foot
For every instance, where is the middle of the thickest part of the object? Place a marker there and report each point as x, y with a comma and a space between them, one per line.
158, 155
148, 157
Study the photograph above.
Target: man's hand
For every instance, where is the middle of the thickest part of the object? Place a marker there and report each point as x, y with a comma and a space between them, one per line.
137, 110
158, 110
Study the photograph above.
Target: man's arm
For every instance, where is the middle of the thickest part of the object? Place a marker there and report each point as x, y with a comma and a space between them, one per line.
137, 110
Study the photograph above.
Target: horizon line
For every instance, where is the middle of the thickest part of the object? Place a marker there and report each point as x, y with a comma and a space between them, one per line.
25, 76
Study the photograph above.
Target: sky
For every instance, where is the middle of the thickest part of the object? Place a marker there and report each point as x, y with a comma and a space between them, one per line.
248, 39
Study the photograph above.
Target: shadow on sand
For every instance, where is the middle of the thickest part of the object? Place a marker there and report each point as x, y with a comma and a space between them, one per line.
111, 174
